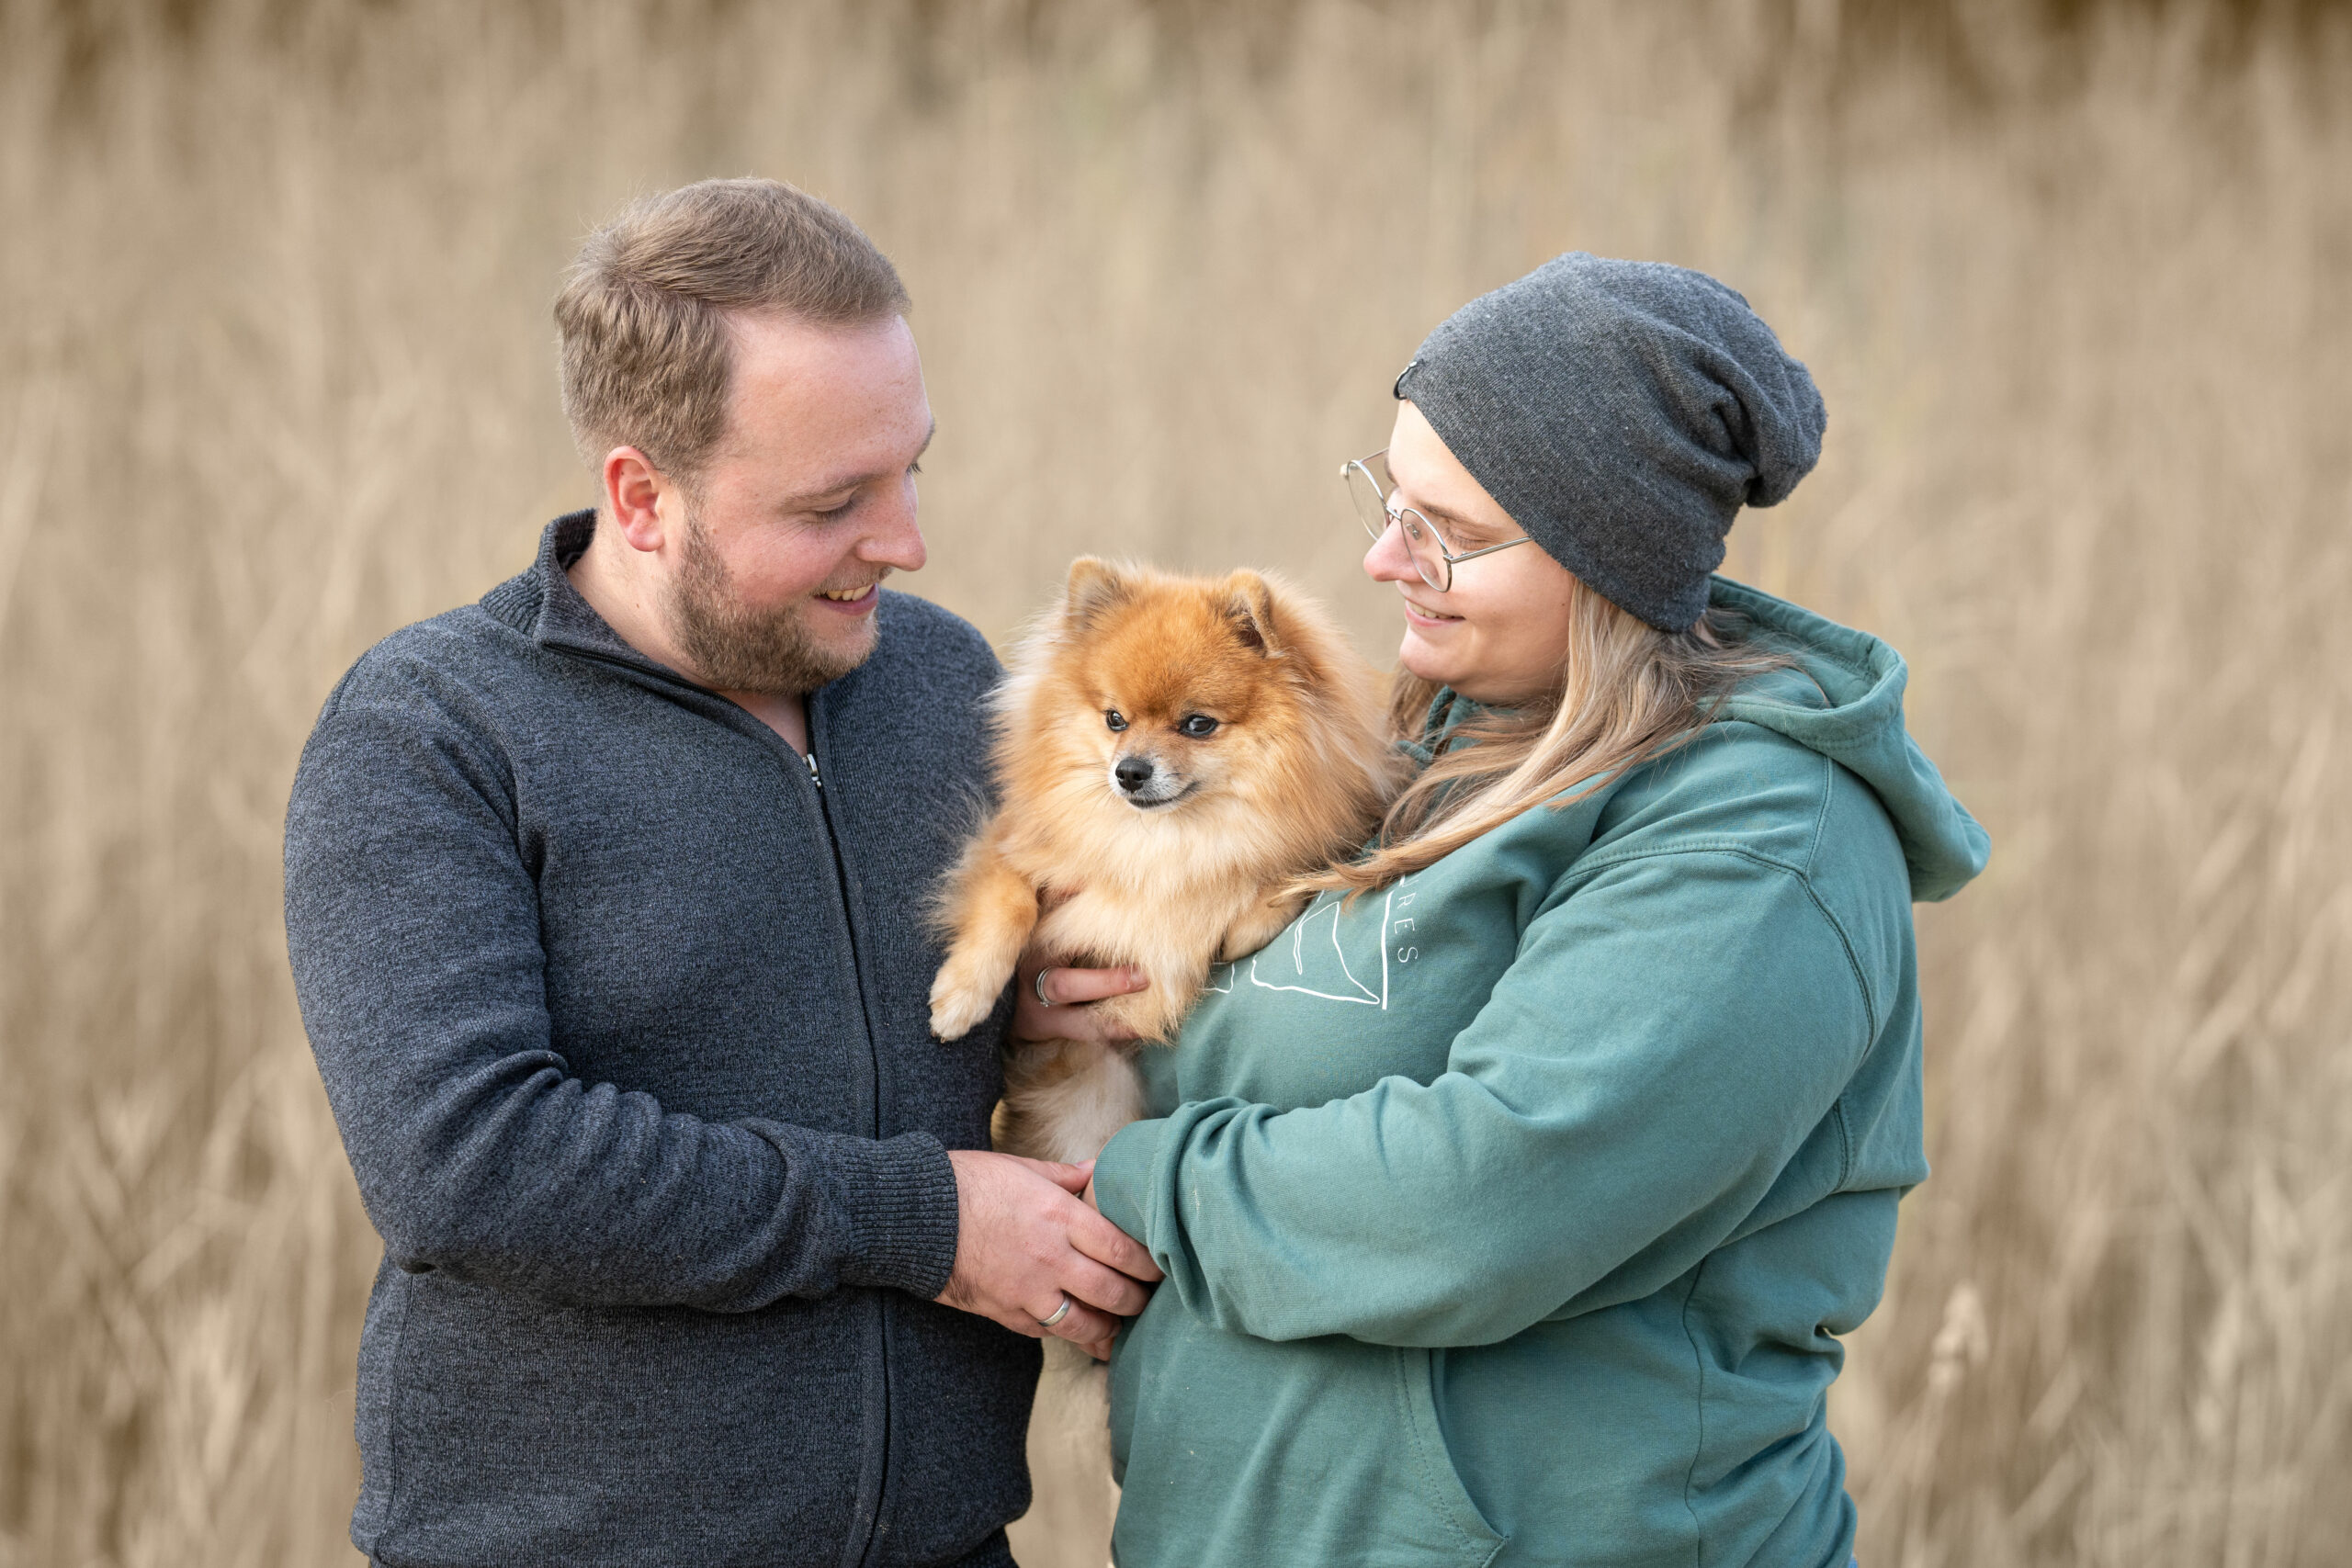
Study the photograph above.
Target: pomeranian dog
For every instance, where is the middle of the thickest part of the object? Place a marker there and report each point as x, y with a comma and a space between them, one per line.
1170, 752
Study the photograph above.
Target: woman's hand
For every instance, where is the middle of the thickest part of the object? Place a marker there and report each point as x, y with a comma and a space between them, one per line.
1068, 1018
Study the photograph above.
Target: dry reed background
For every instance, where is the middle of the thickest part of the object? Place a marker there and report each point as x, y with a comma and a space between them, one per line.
275, 377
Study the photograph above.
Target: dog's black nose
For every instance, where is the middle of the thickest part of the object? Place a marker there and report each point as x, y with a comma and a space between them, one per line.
1132, 773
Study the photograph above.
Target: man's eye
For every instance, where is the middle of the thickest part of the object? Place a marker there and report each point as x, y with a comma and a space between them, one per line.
1116, 719
1197, 725
915, 466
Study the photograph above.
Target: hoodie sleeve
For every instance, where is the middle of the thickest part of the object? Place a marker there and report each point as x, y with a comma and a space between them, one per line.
1672, 1033
413, 924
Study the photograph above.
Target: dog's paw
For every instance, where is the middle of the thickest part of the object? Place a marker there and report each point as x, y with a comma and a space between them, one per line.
960, 998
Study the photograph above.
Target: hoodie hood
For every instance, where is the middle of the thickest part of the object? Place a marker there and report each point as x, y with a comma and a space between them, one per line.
1855, 719
1843, 699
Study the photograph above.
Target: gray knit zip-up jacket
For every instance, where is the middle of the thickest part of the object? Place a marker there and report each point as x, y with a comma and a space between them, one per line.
622, 1010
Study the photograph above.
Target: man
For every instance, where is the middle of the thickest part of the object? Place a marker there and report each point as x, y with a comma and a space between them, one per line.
605, 899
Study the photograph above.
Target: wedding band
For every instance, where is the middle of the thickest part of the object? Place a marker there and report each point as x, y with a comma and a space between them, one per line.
1039, 986
1060, 1312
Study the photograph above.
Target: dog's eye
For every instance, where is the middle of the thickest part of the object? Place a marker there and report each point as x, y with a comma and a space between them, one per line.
1116, 719
1197, 725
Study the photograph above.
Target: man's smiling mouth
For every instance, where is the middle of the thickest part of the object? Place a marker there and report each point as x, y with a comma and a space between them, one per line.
847, 595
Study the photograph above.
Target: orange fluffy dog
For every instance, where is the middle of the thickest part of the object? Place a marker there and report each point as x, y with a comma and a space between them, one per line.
1170, 752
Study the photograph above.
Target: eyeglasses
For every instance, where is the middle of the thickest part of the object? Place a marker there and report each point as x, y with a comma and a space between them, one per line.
1374, 495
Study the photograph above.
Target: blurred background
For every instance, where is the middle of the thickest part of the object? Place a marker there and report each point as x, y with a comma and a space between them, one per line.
277, 375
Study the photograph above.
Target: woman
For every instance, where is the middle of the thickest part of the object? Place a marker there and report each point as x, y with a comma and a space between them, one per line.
1512, 1201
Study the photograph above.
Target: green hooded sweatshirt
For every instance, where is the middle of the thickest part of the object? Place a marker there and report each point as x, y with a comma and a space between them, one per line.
1511, 1215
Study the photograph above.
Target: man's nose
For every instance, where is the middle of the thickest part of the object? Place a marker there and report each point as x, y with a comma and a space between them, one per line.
1132, 773
897, 539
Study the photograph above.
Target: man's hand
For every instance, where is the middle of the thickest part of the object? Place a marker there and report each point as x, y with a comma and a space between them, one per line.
1023, 1241
1068, 1019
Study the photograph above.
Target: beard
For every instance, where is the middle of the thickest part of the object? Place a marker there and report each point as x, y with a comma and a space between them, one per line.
734, 647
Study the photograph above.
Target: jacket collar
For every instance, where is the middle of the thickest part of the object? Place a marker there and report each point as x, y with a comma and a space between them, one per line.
566, 620
542, 606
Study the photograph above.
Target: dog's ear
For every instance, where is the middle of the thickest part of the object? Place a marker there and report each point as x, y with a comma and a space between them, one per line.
1094, 586
1249, 605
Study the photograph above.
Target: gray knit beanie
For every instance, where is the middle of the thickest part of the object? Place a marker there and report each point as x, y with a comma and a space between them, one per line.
1621, 413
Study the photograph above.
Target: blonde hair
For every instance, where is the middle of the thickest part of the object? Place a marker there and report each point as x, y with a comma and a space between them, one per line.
1628, 694
642, 314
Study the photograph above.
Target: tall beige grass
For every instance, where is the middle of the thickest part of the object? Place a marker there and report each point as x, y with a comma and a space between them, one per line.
276, 377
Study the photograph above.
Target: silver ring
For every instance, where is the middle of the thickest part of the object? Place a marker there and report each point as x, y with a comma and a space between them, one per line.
1060, 1312
1039, 986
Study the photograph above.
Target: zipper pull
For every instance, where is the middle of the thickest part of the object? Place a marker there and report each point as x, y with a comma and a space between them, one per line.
814, 776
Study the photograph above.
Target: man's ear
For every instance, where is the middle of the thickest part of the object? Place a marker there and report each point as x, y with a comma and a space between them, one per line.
633, 490
1249, 605
1094, 586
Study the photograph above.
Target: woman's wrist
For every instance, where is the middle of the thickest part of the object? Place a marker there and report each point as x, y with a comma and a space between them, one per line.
1121, 1189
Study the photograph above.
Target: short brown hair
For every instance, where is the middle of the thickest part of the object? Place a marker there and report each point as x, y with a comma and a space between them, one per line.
642, 313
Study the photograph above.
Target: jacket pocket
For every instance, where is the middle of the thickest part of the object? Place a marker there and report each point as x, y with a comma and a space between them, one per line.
379, 1393
531, 1431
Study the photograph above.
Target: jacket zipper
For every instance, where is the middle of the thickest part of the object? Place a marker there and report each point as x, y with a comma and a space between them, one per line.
873, 1052
868, 1552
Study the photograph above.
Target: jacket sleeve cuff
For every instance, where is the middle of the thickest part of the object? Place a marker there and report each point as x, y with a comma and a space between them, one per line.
1123, 1176
899, 1197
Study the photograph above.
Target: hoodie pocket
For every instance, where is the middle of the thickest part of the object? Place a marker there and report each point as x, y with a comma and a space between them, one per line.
1254, 1454
1442, 1484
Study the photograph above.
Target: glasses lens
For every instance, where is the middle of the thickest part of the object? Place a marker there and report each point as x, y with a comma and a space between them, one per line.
1371, 510
1429, 556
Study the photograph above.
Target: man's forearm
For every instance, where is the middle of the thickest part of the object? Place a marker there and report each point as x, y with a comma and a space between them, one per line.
589, 1194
